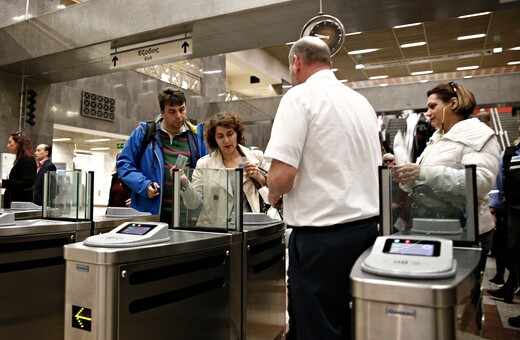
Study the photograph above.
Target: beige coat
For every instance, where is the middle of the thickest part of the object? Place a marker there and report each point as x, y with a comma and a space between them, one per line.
213, 188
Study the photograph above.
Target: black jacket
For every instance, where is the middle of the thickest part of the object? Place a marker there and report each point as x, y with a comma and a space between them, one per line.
19, 186
38, 185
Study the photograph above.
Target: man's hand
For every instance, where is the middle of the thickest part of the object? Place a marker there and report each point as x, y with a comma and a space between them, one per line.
153, 190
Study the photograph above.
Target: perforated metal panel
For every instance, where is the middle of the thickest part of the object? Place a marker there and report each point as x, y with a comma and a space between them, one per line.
97, 106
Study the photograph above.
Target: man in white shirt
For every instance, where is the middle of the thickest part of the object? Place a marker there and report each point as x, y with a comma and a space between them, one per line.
325, 154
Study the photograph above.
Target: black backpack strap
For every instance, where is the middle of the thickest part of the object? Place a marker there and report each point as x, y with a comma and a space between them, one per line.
149, 136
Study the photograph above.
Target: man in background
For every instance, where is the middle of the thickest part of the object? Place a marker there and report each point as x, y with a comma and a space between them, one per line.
325, 155
43, 154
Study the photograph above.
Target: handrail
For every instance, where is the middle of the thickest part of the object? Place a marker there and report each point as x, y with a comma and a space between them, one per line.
498, 130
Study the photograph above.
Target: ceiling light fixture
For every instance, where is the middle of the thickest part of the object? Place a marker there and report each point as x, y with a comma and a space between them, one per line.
343, 80
418, 73
60, 139
408, 25
368, 50
517, 48
465, 68
378, 77
333, 69
473, 15
98, 140
423, 80
360, 66
497, 50
472, 36
99, 149
212, 72
468, 77
415, 44
353, 33
514, 62
383, 85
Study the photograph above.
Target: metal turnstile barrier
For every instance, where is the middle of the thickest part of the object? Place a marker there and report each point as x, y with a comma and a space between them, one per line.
425, 309
32, 272
187, 288
264, 300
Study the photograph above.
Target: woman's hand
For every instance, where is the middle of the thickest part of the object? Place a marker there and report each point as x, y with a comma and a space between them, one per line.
251, 171
183, 178
408, 172
128, 202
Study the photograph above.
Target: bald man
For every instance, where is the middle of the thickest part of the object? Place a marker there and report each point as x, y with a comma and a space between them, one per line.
325, 155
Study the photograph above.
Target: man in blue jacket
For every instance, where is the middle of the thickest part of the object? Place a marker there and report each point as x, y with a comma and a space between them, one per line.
148, 175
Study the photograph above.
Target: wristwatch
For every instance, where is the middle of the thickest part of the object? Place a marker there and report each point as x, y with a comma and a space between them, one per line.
327, 27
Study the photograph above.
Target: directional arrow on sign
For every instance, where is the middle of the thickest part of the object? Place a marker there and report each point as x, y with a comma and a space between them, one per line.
185, 46
114, 60
80, 317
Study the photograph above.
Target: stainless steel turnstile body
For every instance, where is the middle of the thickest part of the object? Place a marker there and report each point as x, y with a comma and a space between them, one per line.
32, 278
391, 308
23, 214
264, 300
188, 288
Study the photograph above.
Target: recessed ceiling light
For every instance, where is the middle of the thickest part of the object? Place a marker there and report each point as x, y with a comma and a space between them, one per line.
514, 62
353, 33
333, 69
360, 66
472, 36
97, 140
419, 43
468, 77
368, 50
497, 50
378, 77
383, 85
473, 15
343, 80
212, 72
418, 73
408, 25
517, 48
423, 80
465, 68
99, 149
60, 139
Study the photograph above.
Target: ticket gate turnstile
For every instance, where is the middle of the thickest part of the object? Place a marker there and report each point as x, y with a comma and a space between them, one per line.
407, 308
187, 288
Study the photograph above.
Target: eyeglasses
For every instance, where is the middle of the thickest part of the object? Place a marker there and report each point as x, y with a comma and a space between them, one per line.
453, 87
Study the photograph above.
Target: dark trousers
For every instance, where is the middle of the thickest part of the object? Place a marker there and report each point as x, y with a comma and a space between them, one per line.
320, 261
513, 243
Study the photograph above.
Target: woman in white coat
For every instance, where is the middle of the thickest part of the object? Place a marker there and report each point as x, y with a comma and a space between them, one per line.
459, 138
224, 134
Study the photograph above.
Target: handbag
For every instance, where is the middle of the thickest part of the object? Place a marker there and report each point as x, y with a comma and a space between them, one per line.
426, 203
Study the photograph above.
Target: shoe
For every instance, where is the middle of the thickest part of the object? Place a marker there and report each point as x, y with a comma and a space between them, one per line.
514, 321
497, 281
501, 294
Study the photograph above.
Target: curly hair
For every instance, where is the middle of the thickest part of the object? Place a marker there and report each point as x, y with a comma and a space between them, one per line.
24, 145
171, 96
227, 120
449, 90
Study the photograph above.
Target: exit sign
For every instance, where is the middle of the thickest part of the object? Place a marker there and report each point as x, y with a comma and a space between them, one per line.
120, 145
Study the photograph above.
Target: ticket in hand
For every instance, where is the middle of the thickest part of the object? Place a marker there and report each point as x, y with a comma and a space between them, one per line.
181, 162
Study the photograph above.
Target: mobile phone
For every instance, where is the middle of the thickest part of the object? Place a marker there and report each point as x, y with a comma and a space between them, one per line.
181, 162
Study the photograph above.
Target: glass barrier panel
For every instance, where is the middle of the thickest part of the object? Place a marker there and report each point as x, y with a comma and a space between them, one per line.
442, 202
206, 199
67, 195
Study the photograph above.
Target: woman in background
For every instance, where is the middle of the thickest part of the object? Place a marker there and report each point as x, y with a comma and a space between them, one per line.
19, 184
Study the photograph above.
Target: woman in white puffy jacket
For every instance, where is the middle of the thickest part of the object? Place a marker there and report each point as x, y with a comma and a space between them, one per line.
459, 138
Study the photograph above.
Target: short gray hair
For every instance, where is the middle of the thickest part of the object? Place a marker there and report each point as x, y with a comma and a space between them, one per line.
310, 50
